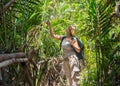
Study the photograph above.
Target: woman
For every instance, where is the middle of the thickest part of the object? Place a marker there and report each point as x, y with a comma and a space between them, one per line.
71, 63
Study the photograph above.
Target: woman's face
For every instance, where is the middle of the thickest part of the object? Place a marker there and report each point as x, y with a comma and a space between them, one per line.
73, 31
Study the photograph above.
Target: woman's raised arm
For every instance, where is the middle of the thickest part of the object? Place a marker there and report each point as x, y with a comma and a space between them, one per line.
52, 33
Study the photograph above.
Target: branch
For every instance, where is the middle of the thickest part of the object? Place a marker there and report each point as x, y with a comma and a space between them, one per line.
117, 9
4, 57
11, 61
8, 4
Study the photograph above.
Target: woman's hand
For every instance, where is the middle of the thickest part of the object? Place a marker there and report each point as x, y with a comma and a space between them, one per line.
48, 23
70, 41
74, 44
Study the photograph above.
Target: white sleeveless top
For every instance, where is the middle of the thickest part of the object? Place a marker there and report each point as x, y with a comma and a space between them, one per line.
67, 48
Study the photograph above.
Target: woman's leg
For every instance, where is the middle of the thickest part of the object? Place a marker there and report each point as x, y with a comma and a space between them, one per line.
66, 68
75, 79
75, 71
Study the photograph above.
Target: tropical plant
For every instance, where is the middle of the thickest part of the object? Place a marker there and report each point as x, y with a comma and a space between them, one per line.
101, 25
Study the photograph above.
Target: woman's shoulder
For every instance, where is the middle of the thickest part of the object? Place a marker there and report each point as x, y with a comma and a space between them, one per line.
63, 36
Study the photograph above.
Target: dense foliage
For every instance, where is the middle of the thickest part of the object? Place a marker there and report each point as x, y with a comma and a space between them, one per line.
23, 27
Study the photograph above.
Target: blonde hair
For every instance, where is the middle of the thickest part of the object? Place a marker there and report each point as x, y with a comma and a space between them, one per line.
72, 30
